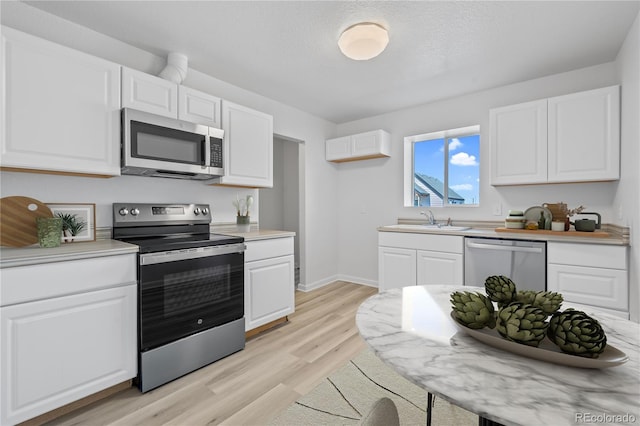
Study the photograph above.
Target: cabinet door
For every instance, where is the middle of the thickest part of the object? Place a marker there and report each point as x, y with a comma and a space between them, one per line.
599, 287
338, 148
269, 290
248, 147
146, 92
519, 143
56, 351
584, 136
198, 107
434, 267
396, 268
61, 108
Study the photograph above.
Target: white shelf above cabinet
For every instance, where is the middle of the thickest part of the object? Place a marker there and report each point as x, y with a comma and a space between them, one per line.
361, 146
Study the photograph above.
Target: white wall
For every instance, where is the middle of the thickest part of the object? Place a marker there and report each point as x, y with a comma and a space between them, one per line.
370, 192
318, 242
628, 195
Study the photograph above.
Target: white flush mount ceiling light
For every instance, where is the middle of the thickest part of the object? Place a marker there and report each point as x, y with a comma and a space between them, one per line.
363, 41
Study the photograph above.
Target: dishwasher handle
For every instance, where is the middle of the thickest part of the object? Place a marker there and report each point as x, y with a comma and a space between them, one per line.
504, 248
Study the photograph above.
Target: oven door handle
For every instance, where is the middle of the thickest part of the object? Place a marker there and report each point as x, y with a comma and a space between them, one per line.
191, 253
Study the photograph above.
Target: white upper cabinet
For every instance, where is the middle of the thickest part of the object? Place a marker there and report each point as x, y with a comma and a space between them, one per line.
584, 136
198, 107
571, 138
149, 93
361, 146
248, 147
61, 109
146, 92
519, 143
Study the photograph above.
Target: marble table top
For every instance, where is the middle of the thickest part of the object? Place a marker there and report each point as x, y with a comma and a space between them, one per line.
411, 330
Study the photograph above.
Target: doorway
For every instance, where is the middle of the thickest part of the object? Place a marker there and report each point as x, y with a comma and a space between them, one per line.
280, 206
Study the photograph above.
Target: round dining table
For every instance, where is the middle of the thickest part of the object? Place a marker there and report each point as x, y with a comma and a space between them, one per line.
411, 330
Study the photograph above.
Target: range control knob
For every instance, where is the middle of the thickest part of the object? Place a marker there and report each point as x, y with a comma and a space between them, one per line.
135, 211
123, 211
205, 211
196, 211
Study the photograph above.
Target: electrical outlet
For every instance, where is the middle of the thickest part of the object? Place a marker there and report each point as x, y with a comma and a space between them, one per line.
497, 209
620, 212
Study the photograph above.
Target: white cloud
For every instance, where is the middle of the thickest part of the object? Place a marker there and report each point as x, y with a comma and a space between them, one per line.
454, 144
462, 187
463, 159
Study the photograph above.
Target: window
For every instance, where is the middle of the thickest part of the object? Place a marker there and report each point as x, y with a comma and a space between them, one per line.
442, 168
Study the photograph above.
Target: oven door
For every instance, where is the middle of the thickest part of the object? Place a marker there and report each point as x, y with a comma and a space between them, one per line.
183, 292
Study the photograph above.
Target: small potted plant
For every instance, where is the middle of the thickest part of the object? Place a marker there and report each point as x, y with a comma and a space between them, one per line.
71, 226
243, 218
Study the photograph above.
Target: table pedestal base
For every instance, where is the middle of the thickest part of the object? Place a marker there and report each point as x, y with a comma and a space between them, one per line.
481, 420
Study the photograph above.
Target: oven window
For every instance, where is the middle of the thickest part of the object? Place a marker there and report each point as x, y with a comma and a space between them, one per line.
180, 298
189, 290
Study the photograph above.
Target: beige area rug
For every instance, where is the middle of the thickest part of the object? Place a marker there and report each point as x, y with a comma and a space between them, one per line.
346, 395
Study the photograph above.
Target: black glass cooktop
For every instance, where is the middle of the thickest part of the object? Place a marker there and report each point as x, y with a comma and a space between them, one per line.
180, 242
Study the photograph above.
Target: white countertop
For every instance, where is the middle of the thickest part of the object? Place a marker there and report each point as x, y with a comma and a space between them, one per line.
254, 233
31, 255
617, 237
411, 330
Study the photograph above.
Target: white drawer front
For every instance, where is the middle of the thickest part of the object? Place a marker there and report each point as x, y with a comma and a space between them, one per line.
36, 282
264, 249
592, 255
433, 242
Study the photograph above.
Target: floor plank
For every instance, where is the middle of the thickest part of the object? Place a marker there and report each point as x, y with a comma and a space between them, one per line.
254, 385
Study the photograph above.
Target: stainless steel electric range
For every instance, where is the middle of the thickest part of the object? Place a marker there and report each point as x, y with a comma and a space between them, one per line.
190, 289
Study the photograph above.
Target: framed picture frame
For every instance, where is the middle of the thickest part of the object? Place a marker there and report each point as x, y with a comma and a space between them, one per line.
79, 221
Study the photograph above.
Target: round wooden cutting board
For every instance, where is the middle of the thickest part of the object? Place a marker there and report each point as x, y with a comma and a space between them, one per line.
18, 220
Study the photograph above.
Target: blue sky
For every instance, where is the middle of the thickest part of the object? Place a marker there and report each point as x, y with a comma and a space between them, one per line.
464, 164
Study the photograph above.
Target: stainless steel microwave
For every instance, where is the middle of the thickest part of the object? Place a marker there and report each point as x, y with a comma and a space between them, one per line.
158, 146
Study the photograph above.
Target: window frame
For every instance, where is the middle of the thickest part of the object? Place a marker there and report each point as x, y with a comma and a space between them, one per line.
409, 172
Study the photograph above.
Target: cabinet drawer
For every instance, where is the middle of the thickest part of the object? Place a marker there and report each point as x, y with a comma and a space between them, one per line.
264, 249
442, 243
591, 255
35, 282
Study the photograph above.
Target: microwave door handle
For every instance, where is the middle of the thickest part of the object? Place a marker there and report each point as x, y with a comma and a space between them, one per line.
205, 152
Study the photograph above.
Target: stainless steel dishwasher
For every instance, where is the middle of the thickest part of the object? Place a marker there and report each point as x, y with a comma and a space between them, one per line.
524, 261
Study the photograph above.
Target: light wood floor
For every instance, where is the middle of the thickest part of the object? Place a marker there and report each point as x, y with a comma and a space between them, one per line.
253, 385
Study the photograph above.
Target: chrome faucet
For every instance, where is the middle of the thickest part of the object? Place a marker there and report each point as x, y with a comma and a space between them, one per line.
430, 218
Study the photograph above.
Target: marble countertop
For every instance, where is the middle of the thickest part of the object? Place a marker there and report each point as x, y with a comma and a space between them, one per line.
32, 255
411, 330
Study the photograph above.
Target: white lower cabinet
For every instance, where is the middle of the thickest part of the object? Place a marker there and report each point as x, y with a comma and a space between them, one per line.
269, 286
406, 259
589, 274
396, 267
63, 347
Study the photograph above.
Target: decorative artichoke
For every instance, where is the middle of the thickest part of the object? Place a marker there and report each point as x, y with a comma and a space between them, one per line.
548, 301
577, 333
522, 323
473, 310
500, 289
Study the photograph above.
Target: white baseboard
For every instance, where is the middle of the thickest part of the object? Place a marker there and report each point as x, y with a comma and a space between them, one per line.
330, 280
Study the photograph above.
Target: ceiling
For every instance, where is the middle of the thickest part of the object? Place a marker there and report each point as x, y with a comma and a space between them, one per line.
287, 50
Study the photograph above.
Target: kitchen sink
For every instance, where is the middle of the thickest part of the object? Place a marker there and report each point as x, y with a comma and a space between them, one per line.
427, 227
